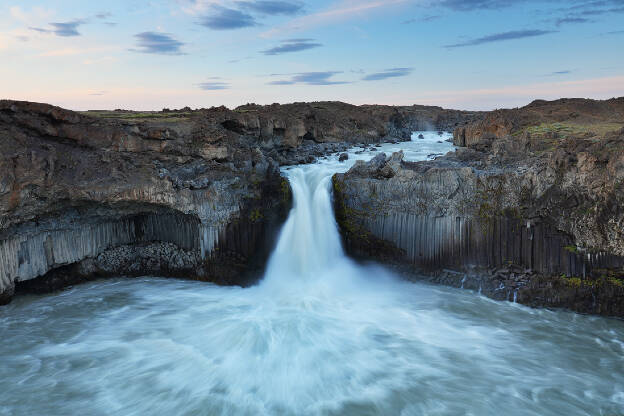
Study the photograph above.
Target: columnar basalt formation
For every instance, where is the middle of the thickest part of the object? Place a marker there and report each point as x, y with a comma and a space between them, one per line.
184, 193
92, 197
532, 209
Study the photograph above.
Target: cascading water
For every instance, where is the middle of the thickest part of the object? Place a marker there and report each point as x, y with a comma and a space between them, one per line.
320, 335
309, 243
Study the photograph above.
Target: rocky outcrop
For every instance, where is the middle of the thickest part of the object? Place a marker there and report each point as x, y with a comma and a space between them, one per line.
567, 117
184, 193
324, 122
524, 214
290, 133
89, 197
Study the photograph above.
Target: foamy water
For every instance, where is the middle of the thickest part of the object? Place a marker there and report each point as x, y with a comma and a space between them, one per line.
320, 335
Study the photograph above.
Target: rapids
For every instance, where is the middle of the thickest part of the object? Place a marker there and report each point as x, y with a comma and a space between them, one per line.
319, 335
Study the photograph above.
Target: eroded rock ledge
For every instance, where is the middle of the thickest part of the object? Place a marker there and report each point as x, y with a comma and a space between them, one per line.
184, 193
82, 197
533, 211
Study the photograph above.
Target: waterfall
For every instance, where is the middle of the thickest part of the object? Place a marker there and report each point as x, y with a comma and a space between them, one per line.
309, 243
320, 335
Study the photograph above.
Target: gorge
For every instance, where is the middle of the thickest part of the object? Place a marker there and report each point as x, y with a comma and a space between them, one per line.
122, 193
320, 334
528, 208
525, 205
531, 198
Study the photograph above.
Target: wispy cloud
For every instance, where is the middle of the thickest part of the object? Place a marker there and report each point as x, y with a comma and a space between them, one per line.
595, 8
583, 12
583, 8
292, 45
423, 19
40, 30
234, 61
67, 28
344, 10
213, 85
103, 15
572, 20
64, 29
500, 37
158, 43
468, 5
224, 18
310, 78
388, 73
605, 11
273, 8
562, 72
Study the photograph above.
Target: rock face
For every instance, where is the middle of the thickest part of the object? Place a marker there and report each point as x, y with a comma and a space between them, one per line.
528, 212
86, 197
324, 122
194, 194
554, 118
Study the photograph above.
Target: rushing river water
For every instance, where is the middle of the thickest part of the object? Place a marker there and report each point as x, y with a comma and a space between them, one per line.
320, 335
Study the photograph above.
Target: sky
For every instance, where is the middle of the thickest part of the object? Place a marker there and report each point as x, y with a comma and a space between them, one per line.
464, 54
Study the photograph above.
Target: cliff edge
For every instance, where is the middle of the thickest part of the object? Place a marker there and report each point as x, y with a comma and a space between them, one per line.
183, 193
83, 197
530, 207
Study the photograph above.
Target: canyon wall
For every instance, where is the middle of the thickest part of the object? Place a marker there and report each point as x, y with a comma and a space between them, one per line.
533, 212
83, 197
183, 193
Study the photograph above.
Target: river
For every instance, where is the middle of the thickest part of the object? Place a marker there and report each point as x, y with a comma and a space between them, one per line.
319, 335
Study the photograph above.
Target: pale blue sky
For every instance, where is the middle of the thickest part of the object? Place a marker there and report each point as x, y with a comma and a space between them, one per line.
150, 54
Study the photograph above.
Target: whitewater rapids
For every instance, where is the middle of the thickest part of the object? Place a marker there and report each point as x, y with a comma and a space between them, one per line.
320, 335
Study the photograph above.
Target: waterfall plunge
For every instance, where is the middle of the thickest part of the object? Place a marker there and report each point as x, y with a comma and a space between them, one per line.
309, 245
319, 335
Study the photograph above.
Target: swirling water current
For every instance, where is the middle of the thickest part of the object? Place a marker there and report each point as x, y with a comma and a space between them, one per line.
319, 335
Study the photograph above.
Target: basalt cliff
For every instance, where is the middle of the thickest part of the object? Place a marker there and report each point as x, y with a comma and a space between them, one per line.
530, 207
192, 194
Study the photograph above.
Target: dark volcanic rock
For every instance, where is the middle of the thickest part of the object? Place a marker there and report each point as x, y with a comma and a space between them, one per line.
182, 193
324, 122
101, 197
555, 119
551, 208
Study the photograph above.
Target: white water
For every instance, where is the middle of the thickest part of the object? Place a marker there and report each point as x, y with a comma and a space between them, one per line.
320, 335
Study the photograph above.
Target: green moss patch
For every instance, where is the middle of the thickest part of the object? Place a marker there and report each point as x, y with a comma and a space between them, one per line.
139, 115
570, 129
